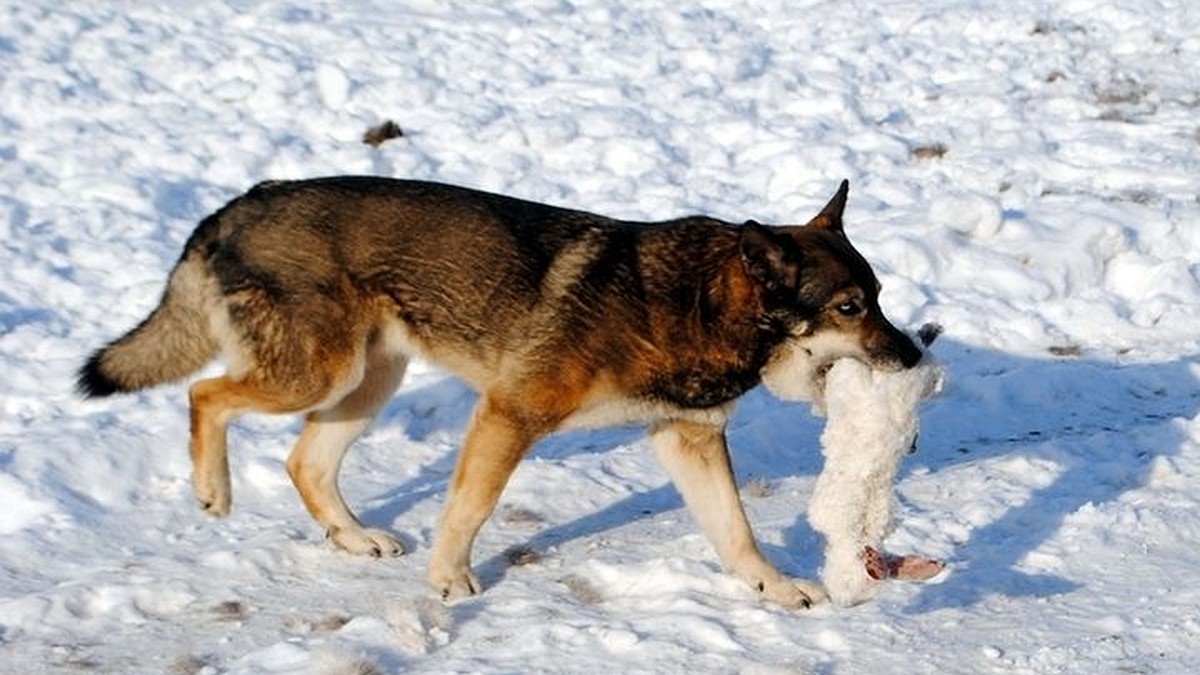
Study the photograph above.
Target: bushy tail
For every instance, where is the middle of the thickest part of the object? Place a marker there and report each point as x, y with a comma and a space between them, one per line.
173, 342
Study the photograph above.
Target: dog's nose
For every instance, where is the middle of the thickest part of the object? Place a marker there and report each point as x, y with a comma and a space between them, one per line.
909, 354
896, 349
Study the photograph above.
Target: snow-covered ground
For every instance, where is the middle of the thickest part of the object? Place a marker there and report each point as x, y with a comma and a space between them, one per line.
1025, 172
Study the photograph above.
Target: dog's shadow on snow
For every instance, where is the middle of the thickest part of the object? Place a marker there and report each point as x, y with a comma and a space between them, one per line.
1083, 431
1094, 427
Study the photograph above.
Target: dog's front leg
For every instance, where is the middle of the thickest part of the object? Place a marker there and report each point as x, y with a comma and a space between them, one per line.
495, 443
697, 460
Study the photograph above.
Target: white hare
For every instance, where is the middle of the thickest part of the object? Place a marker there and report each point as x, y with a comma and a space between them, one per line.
871, 424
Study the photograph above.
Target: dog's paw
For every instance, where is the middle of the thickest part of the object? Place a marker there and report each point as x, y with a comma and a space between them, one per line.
370, 542
455, 586
213, 499
792, 593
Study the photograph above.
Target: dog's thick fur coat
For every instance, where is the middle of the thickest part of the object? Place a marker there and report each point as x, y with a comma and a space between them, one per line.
317, 292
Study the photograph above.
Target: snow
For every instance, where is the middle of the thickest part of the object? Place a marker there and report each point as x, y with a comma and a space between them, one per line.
1023, 173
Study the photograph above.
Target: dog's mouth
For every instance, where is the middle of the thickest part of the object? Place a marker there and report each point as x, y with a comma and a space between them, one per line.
901, 353
905, 352
819, 375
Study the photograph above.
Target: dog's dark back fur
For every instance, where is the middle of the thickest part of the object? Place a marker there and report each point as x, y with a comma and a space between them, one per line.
482, 273
682, 311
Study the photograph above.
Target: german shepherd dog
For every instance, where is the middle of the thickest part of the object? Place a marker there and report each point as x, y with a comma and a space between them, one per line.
318, 292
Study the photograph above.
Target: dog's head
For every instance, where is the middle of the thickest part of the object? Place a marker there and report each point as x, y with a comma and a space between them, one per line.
819, 289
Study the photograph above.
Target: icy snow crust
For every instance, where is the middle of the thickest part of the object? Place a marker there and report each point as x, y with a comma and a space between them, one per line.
1024, 173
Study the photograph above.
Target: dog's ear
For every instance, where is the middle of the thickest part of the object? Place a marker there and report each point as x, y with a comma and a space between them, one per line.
830, 217
771, 260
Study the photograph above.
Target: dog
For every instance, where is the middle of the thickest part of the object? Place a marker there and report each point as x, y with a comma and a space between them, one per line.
318, 292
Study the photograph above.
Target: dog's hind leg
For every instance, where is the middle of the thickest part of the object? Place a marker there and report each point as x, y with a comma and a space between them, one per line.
494, 445
317, 457
697, 460
214, 403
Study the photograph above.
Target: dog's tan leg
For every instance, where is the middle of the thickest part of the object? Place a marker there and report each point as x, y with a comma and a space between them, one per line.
317, 458
494, 445
210, 459
214, 403
697, 460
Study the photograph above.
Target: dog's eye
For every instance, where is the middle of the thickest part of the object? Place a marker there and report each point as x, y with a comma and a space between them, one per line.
849, 308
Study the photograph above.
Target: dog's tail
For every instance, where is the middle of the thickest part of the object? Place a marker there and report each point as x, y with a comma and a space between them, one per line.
173, 342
